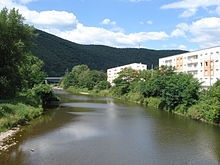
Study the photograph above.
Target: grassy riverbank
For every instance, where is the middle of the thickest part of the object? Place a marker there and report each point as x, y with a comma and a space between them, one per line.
12, 115
205, 110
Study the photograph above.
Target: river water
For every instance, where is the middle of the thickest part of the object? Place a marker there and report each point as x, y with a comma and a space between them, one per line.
88, 130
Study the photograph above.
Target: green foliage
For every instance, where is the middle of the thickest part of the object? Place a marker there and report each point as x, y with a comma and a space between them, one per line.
125, 82
180, 88
31, 71
156, 81
15, 43
102, 85
154, 102
59, 55
13, 114
121, 87
136, 97
82, 77
208, 107
162, 89
45, 94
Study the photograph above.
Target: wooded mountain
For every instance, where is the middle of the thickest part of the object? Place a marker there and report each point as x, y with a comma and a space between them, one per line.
60, 55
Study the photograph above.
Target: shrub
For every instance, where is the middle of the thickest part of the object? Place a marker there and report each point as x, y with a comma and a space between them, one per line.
153, 102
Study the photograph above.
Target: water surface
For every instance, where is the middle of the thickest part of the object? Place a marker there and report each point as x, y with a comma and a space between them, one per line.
88, 130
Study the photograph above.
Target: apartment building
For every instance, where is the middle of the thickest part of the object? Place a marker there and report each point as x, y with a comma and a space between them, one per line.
202, 64
112, 73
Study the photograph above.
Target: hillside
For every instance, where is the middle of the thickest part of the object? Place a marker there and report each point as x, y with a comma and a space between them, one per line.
60, 55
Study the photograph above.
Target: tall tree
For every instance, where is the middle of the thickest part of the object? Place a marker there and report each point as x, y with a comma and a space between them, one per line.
15, 43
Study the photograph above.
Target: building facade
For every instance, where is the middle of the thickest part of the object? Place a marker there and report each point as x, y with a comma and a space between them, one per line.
202, 64
112, 73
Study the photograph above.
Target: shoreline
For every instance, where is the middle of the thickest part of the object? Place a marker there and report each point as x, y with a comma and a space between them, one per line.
4, 136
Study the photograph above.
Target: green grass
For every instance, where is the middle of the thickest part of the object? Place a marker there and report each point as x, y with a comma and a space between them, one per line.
12, 115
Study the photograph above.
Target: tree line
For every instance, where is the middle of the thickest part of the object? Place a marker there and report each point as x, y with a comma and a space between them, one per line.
162, 88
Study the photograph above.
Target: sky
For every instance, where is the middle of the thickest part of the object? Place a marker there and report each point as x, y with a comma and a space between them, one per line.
152, 24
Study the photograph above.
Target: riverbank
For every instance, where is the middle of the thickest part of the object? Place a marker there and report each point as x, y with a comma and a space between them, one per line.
192, 112
13, 115
4, 136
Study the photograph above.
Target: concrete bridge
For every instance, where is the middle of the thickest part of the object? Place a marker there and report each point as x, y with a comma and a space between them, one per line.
53, 80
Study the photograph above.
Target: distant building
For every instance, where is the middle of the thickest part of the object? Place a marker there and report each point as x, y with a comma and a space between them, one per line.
202, 64
112, 73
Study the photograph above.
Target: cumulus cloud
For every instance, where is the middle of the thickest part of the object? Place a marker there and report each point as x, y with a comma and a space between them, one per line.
205, 31
178, 33
94, 35
180, 30
51, 18
191, 6
42, 19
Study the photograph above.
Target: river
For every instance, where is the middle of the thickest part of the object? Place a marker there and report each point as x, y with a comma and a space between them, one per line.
87, 130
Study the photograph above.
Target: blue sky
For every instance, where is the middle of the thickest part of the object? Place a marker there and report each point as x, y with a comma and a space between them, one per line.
153, 24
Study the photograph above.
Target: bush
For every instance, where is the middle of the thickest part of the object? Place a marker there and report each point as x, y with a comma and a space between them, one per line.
153, 102
136, 97
208, 110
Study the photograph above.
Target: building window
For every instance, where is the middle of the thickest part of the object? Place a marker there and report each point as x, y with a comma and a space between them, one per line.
206, 63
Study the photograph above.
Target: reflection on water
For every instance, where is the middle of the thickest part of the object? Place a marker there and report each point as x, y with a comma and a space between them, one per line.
102, 131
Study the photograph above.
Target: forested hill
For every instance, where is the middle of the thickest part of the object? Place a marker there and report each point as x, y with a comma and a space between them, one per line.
60, 55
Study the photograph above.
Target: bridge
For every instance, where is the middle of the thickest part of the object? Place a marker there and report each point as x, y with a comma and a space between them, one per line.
53, 80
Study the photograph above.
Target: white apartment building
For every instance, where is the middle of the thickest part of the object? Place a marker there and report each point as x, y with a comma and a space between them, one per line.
112, 73
203, 64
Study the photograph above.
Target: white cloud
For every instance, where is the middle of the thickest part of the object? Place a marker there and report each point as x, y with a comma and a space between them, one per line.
107, 21
94, 35
55, 22
178, 33
205, 32
189, 12
149, 22
51, 18
191, 6
180, 30
42, 19
185, 4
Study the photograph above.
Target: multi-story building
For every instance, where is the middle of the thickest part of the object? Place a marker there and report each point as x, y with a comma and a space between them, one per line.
202, 64
112, 73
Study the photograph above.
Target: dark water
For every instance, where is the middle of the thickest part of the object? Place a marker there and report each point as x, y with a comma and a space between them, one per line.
102, 131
